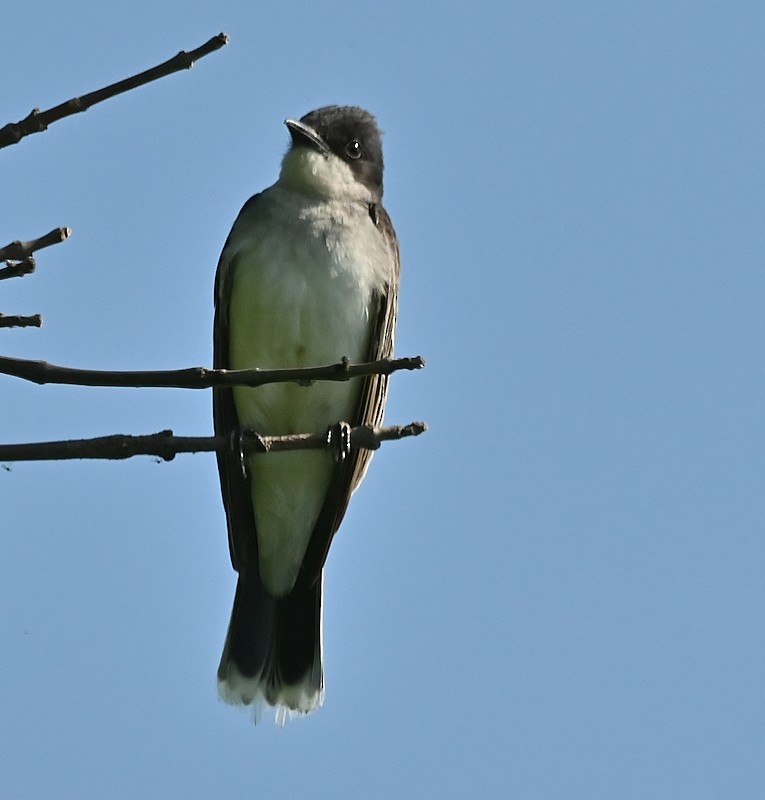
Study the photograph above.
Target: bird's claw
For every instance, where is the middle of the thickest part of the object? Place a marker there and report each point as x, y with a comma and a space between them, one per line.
339, 440
237, 447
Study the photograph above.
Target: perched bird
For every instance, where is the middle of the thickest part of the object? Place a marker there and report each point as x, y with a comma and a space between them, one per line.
308, 275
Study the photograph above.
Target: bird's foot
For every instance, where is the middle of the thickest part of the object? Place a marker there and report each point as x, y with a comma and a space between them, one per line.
339, 440
237, 446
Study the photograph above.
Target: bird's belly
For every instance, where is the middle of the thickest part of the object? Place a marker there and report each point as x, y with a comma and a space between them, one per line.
281, 319
294, 314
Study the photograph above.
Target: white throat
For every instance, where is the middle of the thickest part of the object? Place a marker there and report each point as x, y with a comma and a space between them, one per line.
321, 175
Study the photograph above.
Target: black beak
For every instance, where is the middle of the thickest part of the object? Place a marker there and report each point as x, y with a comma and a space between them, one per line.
306, 136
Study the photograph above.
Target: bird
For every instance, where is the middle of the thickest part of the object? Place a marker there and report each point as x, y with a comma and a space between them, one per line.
308, 275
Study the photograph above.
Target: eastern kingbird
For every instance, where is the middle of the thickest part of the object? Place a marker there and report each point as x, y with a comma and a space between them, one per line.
309, 275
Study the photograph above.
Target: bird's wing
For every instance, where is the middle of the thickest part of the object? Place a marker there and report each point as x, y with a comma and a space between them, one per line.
349, 473
234, 484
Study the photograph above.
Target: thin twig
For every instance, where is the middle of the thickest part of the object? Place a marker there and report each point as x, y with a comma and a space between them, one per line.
21, 253
199, 377
39, 120
166, 446
15, 251
16, 321
18, 269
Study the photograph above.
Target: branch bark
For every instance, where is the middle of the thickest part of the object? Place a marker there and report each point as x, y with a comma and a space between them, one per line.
17, 321
18, 269
166, 446
41, 372
17, 251
21, 253
38, 120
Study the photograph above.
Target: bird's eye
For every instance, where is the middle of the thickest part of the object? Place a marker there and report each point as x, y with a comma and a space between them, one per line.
353, 149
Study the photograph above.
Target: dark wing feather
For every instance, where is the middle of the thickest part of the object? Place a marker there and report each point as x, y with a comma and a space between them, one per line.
370, 410
235, 487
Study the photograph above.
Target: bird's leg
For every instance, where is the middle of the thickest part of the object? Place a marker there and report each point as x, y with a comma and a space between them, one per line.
339, 440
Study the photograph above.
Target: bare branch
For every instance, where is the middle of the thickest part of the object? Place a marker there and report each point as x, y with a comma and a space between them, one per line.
16, 321
15, 251
21, 253
166, 446
200, 377
39, 120
18, 269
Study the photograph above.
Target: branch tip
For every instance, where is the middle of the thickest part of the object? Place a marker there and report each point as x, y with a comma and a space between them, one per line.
17, 321
18, 250
42, 372
37, 121
166, 446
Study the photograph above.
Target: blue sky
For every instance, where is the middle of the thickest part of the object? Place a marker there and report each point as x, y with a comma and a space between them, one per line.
557, 591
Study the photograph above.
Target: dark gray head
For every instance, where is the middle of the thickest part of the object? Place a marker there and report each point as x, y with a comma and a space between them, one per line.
348, 132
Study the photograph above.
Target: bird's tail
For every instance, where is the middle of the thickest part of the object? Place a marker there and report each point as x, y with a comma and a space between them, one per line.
273, 650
